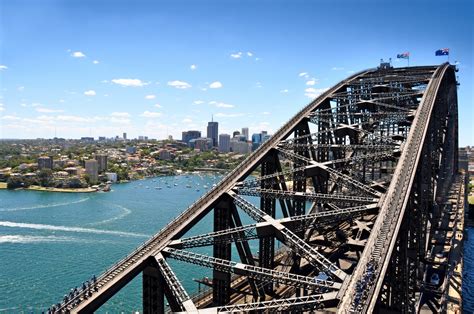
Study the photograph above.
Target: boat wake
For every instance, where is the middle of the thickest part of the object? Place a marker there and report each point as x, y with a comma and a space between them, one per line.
44, 206
69, 229
34, 239
125, 212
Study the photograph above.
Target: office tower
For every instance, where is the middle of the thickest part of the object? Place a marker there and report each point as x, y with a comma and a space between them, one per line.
245, 132
92, 169
124, 135
224, 143
102, 161
212, 131
190, 135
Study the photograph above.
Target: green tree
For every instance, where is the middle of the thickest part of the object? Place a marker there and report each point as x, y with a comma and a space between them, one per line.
45, 177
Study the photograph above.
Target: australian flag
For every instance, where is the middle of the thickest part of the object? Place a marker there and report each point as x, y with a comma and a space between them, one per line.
404, 55
442, 52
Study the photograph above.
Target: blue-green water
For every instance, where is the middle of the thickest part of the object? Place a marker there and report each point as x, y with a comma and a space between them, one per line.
52, 242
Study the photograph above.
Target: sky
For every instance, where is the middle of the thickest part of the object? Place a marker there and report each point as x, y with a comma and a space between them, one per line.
71, 68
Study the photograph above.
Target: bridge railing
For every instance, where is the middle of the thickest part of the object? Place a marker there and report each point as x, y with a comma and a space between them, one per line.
393, 204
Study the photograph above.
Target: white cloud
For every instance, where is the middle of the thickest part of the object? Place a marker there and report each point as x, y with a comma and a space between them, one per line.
1, 107
258, 85
150, 114
249, 53
228, 115
223, 105
237, 55
158, 106
78, 54
120, 114
187, 120
193, 67
284, 91
69, 118
21, 88
90, 92
337, 68
3, 67
266, 113
95, 61
10, 118
150, 96
47, 110
129, 82
61, 100
179, 84
311, 82
215, 84
302, 74
257, 59
198, 102
314, 92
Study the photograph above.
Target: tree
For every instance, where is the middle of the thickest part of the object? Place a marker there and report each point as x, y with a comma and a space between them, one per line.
15, 182
45, 177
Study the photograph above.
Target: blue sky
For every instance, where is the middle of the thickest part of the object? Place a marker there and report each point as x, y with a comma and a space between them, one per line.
100, 68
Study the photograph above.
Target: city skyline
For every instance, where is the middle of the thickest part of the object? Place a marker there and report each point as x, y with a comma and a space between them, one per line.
170, 67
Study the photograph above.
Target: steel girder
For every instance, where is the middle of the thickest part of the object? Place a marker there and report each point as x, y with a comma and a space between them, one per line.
349, 156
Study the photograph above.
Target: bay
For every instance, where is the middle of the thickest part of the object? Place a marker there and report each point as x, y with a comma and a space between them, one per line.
52, 242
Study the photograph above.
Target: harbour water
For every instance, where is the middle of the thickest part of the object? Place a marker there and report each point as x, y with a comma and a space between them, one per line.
52, 242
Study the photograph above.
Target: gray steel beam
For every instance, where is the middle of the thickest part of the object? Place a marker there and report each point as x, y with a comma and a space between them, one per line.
286, 236
254, 272
253, 231
180, 296
297, 304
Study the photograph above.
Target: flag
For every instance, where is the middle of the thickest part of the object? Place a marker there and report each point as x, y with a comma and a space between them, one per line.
404, 55
442, 52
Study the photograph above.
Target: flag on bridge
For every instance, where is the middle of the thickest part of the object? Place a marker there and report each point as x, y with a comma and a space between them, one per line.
442, 52
405, 55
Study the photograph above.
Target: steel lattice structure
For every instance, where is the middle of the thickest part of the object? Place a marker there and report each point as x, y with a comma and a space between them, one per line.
348, 186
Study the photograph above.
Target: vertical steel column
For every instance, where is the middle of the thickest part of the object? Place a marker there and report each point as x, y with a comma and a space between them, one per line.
266, 254
221, 280
153, 291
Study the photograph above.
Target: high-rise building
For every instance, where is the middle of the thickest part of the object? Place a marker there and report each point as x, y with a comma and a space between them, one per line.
92, 169
190, 135
239, 147
102, 161
202, 143
236, 133
245, 132
212, 131
45, 162
124, 135
224, 143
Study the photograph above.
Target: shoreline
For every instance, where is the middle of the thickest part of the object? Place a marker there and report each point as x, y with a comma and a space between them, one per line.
61, 190
3, 185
